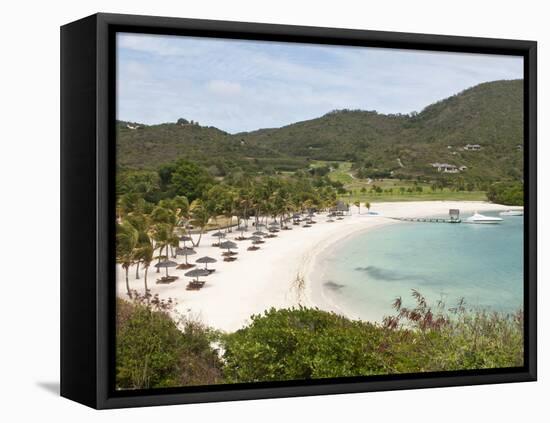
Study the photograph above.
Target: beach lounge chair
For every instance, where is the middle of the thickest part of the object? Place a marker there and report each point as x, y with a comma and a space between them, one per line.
166, 279
194, 285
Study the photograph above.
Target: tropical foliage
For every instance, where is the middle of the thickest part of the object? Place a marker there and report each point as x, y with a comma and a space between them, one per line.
154, 350
149, 231
510, 193
378, 145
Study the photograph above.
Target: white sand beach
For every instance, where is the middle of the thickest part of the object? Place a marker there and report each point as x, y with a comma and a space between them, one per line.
266, 278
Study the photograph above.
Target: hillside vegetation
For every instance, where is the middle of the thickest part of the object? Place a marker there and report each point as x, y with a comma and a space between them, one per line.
377, 145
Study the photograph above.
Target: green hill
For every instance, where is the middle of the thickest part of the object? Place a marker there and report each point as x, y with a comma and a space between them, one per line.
378, 145
149, 146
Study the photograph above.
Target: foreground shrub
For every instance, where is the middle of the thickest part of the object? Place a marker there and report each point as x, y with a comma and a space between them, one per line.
303, 344
309, 343
154, 350
457, 338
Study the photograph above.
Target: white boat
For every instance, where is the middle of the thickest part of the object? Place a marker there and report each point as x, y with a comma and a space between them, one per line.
512, 213
479, 218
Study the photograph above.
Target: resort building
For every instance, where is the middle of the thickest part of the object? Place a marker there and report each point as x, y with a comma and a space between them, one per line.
340, 208
445, 167
472, 147
463, 168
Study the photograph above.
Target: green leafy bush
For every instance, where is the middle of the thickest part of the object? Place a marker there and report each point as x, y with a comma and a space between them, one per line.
309, 343
154, 351
302, 344
509, 193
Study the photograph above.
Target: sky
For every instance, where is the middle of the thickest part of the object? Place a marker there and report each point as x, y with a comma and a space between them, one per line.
241, 85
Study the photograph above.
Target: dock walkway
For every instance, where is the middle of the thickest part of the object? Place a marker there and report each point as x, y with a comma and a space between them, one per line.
426, 219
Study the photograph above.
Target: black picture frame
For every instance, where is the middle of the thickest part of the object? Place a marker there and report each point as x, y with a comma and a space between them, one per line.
87, 208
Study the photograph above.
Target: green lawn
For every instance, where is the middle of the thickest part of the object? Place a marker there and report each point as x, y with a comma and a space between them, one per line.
340, 174
344, 174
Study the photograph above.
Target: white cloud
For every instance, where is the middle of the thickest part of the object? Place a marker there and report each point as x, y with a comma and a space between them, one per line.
224, 87
239, 85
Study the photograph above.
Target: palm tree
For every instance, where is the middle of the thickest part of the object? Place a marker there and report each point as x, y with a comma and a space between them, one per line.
163, 219
243, 203
130, 202
358, 204
126, 240
308, 204
141, 223
219, 201
199, 217
144, 254
162, 235
367, 205
147, 259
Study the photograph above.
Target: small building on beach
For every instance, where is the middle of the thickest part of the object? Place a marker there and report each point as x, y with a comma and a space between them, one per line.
454, 215
340, 208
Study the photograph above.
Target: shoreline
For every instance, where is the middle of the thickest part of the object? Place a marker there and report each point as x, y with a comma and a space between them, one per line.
317, 292
282, 273
315, 277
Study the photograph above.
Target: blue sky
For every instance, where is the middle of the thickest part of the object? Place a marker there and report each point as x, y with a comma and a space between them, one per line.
245, 85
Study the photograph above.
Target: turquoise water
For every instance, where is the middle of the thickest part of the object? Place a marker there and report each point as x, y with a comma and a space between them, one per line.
481, 263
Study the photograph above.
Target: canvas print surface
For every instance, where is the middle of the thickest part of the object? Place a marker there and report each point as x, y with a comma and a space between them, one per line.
292, 211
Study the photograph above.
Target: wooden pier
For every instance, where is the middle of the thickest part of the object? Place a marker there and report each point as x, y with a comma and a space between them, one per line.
426, 220
454, 217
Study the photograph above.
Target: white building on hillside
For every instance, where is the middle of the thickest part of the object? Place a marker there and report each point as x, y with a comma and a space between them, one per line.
472, 147
445, 167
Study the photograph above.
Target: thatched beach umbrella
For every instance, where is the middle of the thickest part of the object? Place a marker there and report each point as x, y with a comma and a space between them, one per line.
206, 260
184, 239
185, 251
166, 264
219, 234
259, 233
256, 240
197, 273
242, 230
228, 245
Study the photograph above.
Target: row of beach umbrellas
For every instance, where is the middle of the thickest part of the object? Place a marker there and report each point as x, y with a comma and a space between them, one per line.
256, 238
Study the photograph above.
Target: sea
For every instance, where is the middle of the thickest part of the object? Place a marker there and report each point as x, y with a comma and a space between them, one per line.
479, 263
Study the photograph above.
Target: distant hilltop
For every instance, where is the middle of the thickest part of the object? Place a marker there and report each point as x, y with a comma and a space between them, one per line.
479, 131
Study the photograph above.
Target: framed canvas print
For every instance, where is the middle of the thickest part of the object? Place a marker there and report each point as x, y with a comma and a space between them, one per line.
255, 211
